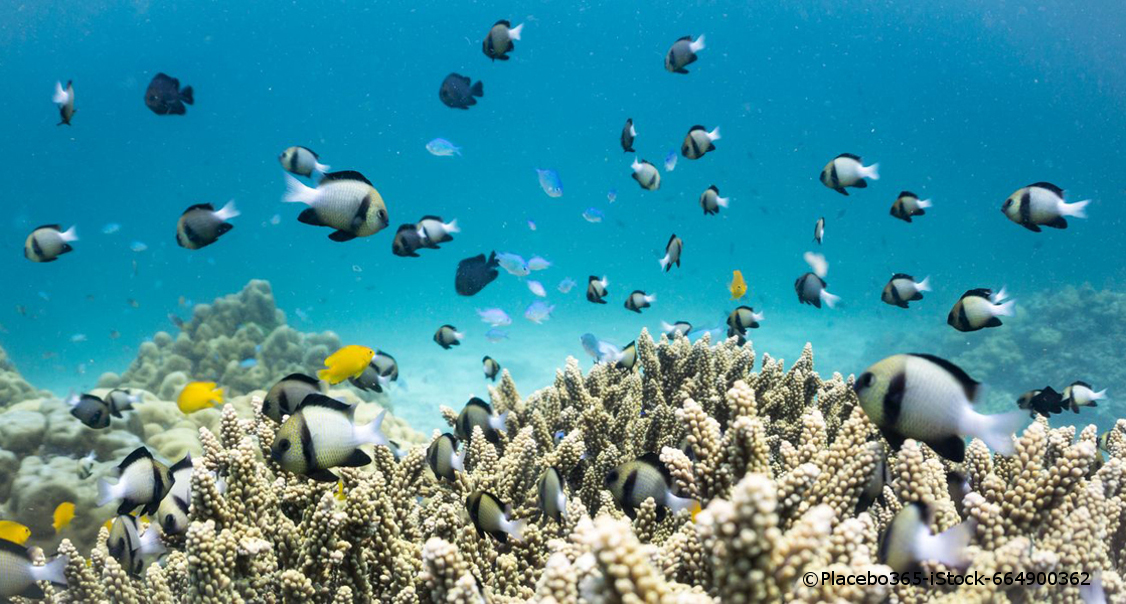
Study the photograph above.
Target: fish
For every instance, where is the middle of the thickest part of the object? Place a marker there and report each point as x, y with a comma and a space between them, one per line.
907, 205
201, 225
551, 496
711, 202
550, 182
811, 290
628, 357
21, 575
442, 148
1044, 401
638, 300
646, 175
496, 335
741, 319
565, 285
738, 286
629, 133
322, 435
302, 161
474, 273
348, 362
816, 263
537, 288
248, 363
344, 201
492, 368
138, 246
633, 482
698, 142
500, 40
478, 413
596, 289
164, 96
111, 228
14, 532
495, 317
1093, 592
285, 396
1042, 204
531, 225
490, 517
601, 350
172, 514
114, 334
1104, 440
819, 230
907, 541
86, 465
448, 336
143, 482
682, 53
1081, 394
130, 548
673, 250
903, 288
380, 372
513, 264
538, 263
64, 514
78, 338
64, 98
874, 487
92, 411
456, 92
670, 160
407, 241
957, 487
539, 311
612, 195
46, 243
980, 308
196, 396
846, 170
443, 458
432, 231
593, 215
133, 303
275, 220
930, 399
672, 330
119, 400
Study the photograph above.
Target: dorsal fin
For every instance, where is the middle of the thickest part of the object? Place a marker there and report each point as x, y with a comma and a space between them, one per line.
311, 152
200, 206
183, 464
48, 226
697, 127
326, 402
431, 217
850, 156
1049, 186
688, 38
14, 549
969, 385
503, 22
714, 189
979, 292
908, 194
1083, 384
902, 276
652, 459
476, 402
345, 175
301, 377
407, 227
671, 239
137, 455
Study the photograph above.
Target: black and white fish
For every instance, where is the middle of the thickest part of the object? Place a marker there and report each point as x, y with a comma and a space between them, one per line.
64, 98
1045, 401
142, 482
629, 133
380, 372
682, 53
673, 330
499, 41
741, 319
492, 368
596, 289
907, 205
344, 201
478, 413
1081, 394
903, 288
673, 250
285, 396
811, 290
407, 241
448, 336
121, 400
845, 170
491, 516
881, 475
129, 547
457, 92
711, 202
173, 511
91, 411
443, 458
638, 300
201, 225
432, 231
646, 175
321, 435
698, 142
474, 273
819, 230
46, 243
552, 498
633, 482
907, 541
1041, 204
627, 358
19, 575
165, 97
302, 161
980, 308
930, 399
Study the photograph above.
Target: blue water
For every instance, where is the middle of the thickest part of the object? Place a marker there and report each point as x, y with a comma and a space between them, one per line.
958, 102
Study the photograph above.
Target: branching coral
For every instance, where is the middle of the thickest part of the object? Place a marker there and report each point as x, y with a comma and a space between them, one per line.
779, 459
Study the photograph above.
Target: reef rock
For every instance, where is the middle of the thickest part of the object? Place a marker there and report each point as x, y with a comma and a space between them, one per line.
13, 388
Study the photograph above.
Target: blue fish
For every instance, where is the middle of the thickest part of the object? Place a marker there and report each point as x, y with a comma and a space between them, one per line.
496, 335
612, 195
442, 148
593, 215
551, 183
670, 161
248, 363
111, 228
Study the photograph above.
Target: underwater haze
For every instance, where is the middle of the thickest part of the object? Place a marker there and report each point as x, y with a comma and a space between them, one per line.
960, 102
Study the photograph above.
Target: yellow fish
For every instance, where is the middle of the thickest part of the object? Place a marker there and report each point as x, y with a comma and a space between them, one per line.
348, 362
63, 515
340, 496
737, 286
14, 532
199, 395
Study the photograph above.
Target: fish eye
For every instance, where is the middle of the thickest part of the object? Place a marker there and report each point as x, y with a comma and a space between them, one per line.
169, 521
866, 380
283, 445
1008, 203
612, 476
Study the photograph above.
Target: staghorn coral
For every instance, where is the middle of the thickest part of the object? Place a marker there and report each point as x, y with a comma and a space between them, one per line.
778, 458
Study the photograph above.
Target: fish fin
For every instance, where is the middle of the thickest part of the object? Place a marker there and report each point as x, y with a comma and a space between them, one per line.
33, 592
994, 430
504, 57
183, 464
322, 475
105, 492
301, 377
661, 513
345, 175
1077, 209
53, 571
327, 402
187, 95
895, 441
861, 184
632, 513
1059, 222
138, 454
478, 89
969, 385
1049, 186
841, 190
340, 236
224, 228
126, 507
357, 459
309, 216
177, 108
372, 433
299, 192
681, 70
1030, 226
993, 322
952, 448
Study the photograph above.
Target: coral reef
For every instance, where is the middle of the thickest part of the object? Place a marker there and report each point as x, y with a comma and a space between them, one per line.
13, 388
778, 457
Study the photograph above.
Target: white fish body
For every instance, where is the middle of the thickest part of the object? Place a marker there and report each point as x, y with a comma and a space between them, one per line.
537, 288
494, 317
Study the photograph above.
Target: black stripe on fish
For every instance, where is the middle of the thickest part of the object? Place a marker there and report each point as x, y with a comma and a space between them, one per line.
1026, 207
36, 249
293, 159
361, 213
307, 447
180, 503
893, 398
833, 178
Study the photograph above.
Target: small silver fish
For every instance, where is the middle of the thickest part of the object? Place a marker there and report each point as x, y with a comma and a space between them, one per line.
442, 148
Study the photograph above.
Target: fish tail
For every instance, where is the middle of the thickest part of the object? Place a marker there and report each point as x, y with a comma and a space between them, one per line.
457, 460
322, 168
187, 95
924, 285
373, 433
151, 543
228, 211
106, 492
1005, 309
514, 33
925, 203
664, 262
515, 529
995, 431
829, 299
1098, 396
872, 171
1077, 209
52, 571
651, 298
675, 504
698, 45
949, 546
60, 97
758, 316
478, 89
70, 234
714, 134
299, 192
722, 201
452, 227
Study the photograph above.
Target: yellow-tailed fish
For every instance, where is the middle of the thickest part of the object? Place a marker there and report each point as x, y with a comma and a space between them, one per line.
348, 362
14, 532
64, 513
199, 395
340, 491
737, 287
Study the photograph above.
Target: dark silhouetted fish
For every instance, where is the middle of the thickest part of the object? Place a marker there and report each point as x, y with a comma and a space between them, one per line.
165, 97
473, 274
457, 92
